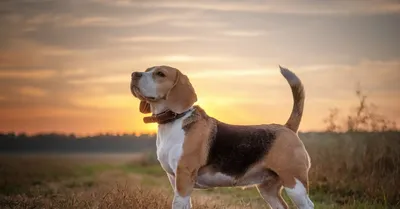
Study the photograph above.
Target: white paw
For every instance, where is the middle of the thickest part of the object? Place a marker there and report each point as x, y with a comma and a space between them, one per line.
181, 202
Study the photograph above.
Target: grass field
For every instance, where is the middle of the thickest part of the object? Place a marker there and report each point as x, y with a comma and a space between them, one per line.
121, 181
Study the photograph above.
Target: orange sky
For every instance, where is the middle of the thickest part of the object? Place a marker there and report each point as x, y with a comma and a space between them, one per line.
65, 65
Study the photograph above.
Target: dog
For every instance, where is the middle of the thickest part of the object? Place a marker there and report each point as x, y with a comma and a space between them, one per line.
198, 151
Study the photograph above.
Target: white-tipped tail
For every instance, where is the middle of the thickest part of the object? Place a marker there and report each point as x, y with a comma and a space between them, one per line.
294, 120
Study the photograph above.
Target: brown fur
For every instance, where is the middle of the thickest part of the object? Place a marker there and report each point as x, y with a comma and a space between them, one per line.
288, 157
144, 107
181, 96
298, 107
198, 127
298, 93
271, 192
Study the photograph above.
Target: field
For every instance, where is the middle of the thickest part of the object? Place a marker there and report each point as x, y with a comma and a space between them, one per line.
357, 171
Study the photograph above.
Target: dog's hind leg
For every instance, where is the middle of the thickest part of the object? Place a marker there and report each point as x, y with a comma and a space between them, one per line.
271, 193
298, 194
292, 167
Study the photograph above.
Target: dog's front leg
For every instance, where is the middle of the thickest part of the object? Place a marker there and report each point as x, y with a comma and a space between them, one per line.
184, 183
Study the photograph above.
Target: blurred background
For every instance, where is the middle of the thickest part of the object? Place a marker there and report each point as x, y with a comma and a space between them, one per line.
69, 125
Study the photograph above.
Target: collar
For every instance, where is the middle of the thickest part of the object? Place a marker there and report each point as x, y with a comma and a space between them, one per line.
164, 117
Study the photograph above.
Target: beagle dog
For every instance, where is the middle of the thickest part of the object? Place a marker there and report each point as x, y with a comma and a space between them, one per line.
198, 151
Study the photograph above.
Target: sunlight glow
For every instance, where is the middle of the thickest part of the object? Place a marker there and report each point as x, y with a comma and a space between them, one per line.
70, 70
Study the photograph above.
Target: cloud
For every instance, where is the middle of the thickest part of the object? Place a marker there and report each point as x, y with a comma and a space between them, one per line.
233, 73
109, 79
32, 55
32, 91
314, 8
27, 74
102, 20
185, 58
377, 67
74, 72
30, 113
198, 23
243, 33
56, 51
339, 82
104, 101
141, 39
70, 20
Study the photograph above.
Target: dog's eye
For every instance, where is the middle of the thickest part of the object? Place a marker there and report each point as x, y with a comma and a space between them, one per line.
161, 74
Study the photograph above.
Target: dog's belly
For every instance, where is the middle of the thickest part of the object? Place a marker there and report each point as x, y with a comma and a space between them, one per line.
214, 180
217, 179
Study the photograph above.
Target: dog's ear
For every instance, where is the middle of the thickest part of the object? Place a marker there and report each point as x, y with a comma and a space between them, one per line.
182, 95
144, 107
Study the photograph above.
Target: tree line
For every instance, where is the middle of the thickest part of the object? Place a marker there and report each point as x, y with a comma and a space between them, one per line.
69, 143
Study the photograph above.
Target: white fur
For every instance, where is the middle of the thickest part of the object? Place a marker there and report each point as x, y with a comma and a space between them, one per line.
299, 196
146, 84
290, 76
181, 202
274, 202
170, 138
208, 180
169, 143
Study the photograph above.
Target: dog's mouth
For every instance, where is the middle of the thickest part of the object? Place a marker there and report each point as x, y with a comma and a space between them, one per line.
136, 92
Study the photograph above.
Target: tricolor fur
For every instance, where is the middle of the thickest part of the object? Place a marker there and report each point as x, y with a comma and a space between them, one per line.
198, 151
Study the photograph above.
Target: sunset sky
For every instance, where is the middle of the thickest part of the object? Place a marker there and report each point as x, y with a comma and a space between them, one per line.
65, 65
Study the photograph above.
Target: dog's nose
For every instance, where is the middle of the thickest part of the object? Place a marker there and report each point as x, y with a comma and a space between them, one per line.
136, 75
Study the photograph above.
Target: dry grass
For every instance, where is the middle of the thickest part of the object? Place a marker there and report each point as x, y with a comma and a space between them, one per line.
118, 196
356, 165
70, 182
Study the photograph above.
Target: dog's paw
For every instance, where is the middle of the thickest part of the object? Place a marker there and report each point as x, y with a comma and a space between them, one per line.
181, 203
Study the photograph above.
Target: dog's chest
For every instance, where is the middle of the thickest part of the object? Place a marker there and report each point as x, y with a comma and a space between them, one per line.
170, 138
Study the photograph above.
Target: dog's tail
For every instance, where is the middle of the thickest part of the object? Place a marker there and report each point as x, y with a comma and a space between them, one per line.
298, 96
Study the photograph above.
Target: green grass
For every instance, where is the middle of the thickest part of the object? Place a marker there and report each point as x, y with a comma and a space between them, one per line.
90, 170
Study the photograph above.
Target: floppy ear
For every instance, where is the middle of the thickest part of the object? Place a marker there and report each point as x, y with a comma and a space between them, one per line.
182, 96
144, 107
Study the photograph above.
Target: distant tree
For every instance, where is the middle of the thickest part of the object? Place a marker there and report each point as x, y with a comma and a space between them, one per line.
331, 120
11, 135
363, 117
22, 135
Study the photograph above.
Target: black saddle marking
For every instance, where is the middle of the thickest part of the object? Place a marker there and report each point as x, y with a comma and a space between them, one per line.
235, 148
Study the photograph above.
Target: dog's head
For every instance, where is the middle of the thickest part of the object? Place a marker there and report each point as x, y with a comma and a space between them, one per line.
163, 84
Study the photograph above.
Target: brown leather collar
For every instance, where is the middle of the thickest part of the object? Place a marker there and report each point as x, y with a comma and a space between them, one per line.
164, 117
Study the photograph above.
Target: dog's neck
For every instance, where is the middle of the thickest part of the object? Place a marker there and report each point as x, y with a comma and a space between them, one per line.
159, 107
